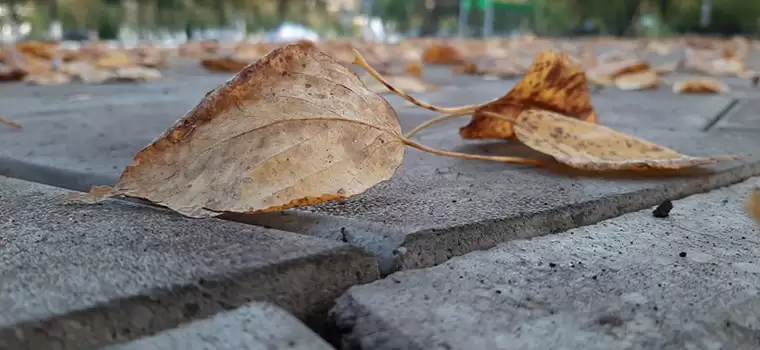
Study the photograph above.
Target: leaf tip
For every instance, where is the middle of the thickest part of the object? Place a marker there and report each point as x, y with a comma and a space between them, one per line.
97, 194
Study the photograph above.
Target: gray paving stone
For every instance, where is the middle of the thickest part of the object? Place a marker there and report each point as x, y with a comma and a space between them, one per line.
77, 276
435, 208
745, 116
689, 281
252, 327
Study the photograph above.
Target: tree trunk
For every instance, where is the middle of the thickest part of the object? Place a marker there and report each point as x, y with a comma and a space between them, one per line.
221, 13
431, 23
282, 9
54, 23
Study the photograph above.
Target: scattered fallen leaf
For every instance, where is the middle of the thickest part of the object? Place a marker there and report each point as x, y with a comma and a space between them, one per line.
49, 78
605, 74
465, 68
414, 69
11, 73
10, 123
643, 80
552, 83
136, 74
258, 142
589, 146
86, 72
495, 68
442, 54
115, 60
700, 86
224, 64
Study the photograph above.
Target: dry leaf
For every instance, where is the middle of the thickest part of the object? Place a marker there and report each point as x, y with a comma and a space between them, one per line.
753, 205
414, 69
136, 74
606, 73
49, 78
700, 86
552, 83
594, 147
224, 64
259, 143
115, 60
500, 68
87, 73
442, 54
644, 80
11, 73
10, 123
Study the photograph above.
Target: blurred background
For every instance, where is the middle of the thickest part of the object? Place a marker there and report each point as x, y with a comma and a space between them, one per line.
176, 21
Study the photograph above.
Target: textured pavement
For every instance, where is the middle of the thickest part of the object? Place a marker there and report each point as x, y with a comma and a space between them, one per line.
467, 254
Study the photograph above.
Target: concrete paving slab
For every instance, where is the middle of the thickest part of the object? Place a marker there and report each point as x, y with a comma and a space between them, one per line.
436, 208
252, 327
745, 116
688, 281
78, 276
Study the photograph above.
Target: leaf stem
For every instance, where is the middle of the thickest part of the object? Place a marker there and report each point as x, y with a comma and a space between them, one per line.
421, 147
360, 61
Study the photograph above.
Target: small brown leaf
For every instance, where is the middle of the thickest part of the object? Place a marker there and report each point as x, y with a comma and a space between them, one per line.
643, 80
10, 123
553, 83
442, 54
700, 86
414, 69
594, 147
224, 64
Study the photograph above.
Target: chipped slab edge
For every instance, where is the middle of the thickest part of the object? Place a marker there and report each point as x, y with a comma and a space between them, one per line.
254, 326
402, 248
399, 248
443, 245
215, 294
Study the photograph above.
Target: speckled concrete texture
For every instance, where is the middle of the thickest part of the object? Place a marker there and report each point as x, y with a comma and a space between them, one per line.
688, 281
256, 326
76, 276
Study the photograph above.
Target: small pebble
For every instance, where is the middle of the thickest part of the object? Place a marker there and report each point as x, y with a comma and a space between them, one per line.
663, 210
682, 254
552, 265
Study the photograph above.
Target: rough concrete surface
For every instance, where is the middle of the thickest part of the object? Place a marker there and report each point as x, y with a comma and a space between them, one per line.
435, 207
256, 326
78, 276
430, 195
688, 281
745, 116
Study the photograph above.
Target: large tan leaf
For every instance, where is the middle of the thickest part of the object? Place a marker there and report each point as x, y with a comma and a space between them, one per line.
594, 147
262, 142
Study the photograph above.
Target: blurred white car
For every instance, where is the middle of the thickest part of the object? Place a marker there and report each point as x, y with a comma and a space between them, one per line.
292, 32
